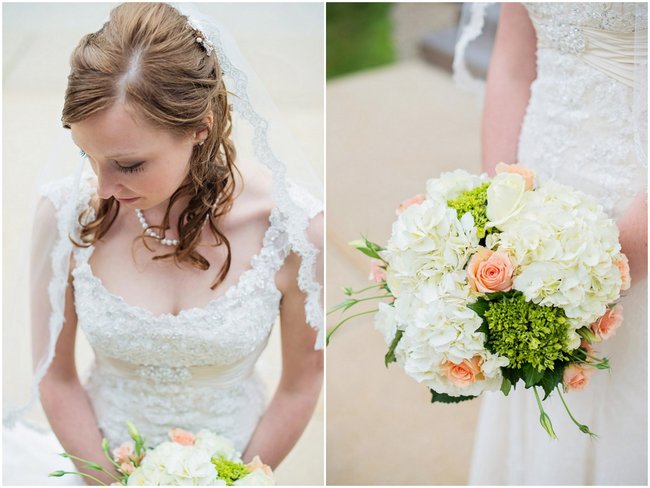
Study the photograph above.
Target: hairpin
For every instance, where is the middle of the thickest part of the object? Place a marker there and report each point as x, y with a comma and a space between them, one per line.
201, 39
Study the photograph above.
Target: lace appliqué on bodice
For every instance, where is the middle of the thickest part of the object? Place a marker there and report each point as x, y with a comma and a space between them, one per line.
577, 128
192, 370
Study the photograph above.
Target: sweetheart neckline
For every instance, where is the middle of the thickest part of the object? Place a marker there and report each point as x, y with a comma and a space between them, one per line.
229, 291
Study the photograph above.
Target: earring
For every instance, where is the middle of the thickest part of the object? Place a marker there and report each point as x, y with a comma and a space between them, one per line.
201, 143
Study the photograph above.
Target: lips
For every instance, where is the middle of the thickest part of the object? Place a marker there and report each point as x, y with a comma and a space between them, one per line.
126, 200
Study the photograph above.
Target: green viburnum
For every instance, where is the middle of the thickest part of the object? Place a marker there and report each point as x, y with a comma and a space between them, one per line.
527, 333
229, 471
475, 202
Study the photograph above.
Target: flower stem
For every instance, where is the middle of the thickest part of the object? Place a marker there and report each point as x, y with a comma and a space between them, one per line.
89, 466
544, 419
329, 334
87, 476
376, 297
583, 428
353, 292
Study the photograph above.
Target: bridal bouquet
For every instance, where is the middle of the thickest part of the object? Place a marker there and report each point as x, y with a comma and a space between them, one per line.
187, 459
488, 282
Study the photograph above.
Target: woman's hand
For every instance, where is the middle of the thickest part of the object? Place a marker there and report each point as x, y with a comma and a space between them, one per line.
302, 366
512, 70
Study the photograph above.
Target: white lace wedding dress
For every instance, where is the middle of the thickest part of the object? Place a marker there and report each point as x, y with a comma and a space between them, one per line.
578, 130
194, 370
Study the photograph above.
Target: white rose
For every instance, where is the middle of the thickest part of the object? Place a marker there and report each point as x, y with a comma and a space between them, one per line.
505, 195
256, 478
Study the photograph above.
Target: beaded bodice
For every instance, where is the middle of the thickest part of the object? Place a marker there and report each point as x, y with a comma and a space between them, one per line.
195, 369
561, 25
578, 126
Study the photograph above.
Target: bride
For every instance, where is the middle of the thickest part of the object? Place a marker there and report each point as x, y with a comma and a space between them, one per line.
175, 256
566, 96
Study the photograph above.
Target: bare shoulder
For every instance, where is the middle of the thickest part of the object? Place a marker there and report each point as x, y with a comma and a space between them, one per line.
253, 198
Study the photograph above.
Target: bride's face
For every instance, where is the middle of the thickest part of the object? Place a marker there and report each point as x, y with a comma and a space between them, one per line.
139, 165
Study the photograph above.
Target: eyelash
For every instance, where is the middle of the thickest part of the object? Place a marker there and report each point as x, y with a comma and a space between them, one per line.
136, 168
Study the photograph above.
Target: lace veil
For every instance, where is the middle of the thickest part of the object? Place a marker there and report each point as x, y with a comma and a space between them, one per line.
265, 146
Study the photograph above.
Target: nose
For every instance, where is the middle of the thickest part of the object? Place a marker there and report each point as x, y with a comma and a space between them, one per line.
107, 186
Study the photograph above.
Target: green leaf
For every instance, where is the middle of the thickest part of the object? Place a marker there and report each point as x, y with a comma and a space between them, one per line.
480, 306
57, 474
444, 398
551, 378
500, 294
531, 375
506, 386
369, 252
95, 466
347, 291
368, 248
390, 355
344, 305
513, 375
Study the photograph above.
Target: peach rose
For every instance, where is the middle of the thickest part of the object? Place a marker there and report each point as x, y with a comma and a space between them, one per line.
490, 271
182, 437
256, 464
527, 174
464, 373
576, 377
414, 200
377, 273
123, 453
605, 327
624, 268
127, 468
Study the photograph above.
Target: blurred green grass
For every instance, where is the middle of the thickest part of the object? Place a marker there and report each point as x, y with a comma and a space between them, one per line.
359, 36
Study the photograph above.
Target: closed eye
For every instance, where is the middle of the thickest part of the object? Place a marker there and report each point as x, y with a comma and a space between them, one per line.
134, 168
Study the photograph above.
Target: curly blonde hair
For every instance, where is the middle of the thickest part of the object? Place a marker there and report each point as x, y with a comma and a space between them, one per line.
147, 56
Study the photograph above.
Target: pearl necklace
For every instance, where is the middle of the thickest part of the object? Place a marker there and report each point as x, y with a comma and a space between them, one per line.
152, 233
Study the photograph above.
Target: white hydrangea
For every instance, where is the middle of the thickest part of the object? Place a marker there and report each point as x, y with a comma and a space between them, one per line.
565, 245
452, 184
173, 464
216, 445
444, 330
385, 322
427, 242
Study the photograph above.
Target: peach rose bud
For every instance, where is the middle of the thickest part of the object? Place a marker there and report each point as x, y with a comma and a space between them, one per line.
377, 273
414, 200
586, 345
464, 373
624, 268
527, 174
182, 437
490, 271
576, 377
123, 453
605, 327
256, 464
127, 468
